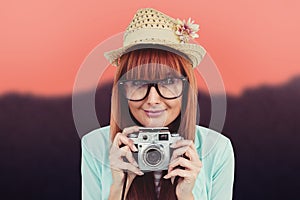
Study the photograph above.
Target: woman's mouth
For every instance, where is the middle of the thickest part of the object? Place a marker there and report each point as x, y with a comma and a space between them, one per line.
154, 113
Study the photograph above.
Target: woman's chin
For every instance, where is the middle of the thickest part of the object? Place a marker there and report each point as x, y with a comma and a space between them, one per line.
154, 123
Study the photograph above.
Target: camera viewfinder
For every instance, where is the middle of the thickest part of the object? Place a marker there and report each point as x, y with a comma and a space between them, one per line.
164, 137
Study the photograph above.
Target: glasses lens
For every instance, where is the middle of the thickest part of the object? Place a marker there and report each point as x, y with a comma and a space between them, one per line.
135, 89
168, 88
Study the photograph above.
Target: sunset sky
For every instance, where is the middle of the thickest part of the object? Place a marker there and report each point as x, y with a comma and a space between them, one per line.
43, 43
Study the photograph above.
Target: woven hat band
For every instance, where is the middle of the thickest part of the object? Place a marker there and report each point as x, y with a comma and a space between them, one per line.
150, 35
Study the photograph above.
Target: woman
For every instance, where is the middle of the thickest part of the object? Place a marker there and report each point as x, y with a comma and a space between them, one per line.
155, 86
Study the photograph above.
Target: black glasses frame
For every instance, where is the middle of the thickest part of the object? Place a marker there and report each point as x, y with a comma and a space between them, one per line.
155, 85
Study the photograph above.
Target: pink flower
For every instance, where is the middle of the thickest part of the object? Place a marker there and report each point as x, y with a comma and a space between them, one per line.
186, 30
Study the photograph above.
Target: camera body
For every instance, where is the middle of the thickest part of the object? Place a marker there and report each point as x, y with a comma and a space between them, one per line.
154, 151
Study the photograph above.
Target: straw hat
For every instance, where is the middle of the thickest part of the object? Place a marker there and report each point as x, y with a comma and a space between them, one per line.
150, 28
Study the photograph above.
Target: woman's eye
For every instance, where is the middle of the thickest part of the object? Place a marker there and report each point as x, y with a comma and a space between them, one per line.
168, 81
138, 83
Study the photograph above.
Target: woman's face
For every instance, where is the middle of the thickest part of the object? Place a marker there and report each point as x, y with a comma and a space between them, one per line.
154, 110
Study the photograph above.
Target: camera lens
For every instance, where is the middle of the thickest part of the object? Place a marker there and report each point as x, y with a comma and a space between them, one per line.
153, 156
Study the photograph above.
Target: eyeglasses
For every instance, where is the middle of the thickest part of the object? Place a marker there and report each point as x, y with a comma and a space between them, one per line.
138, 90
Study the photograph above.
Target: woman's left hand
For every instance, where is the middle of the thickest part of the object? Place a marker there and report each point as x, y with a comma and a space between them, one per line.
185, 164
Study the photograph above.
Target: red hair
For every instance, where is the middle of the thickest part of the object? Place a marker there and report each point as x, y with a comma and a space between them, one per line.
121, 118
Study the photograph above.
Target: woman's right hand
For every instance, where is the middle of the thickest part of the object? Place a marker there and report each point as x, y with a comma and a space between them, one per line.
123, 146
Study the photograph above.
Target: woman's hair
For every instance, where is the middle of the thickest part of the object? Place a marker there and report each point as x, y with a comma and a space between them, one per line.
147, 64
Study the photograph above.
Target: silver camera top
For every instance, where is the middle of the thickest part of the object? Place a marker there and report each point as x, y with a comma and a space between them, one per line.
153, 134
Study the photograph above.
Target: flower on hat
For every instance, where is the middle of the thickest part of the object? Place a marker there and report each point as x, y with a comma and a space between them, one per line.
186, 30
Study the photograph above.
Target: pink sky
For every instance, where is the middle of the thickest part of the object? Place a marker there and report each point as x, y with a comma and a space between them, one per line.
42, 44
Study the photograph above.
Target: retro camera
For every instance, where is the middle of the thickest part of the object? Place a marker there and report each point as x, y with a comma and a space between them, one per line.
153, 146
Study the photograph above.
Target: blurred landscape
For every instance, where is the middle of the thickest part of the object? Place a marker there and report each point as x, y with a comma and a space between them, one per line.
40, 148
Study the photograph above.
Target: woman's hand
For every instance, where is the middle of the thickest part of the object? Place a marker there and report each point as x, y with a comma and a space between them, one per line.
123, 146
185, 164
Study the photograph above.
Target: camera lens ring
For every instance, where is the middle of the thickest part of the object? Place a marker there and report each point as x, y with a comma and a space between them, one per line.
153, 156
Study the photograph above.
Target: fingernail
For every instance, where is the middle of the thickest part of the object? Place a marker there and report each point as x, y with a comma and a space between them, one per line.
134, 148
166, 177
140, 173
172, 158
172, 180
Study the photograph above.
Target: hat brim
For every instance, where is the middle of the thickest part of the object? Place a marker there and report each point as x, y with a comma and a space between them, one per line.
193, 52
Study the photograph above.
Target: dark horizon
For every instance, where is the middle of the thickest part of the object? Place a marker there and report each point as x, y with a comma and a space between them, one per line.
294, 78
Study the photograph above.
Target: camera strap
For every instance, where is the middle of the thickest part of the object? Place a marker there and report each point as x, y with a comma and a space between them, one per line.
124, 184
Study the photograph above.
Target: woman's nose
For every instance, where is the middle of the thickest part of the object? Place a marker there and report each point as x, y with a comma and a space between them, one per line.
153, 96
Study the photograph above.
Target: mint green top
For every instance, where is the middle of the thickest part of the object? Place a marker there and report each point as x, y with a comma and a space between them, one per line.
214, 182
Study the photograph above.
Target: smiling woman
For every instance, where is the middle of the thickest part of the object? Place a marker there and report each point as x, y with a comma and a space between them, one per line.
144, 100
153, 148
